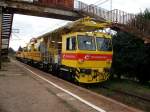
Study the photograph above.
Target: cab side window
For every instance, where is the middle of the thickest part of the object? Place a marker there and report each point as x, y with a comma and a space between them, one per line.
71, 43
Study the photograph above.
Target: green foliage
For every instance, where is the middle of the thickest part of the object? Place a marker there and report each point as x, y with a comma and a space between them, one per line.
131, 57
11, 51
146, 14
20, 49
142, 22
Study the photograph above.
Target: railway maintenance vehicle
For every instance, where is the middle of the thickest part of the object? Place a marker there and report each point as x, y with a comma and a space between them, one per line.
79, 51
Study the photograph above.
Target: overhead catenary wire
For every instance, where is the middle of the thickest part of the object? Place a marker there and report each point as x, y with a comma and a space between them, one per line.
19, 38
98, 3
102, 2
61, 23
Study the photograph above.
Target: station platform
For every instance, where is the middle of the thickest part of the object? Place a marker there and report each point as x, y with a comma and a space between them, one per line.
27, 89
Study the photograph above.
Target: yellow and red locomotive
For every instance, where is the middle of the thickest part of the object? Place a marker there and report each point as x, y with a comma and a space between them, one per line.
77, 51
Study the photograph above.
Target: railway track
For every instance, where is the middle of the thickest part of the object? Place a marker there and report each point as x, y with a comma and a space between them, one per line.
118, 91
128, 93
140, 101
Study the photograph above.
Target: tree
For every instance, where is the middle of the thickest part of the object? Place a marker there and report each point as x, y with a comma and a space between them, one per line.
11, 51
131, 57
20, 48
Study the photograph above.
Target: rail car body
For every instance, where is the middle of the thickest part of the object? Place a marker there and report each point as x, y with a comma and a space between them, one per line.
84, 57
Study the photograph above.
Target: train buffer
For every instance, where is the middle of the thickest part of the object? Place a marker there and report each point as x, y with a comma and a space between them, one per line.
26, 89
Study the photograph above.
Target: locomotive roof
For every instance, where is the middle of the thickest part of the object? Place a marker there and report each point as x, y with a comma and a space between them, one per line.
82, 25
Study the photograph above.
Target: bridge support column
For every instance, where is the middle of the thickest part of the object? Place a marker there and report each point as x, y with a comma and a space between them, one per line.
0, 37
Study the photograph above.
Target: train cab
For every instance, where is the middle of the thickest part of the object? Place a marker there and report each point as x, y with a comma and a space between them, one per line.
89, 54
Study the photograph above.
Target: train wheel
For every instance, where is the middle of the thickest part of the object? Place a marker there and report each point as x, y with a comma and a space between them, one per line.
49, 68
76, 82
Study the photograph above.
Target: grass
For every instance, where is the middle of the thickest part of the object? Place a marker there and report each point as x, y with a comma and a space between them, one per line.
127, 86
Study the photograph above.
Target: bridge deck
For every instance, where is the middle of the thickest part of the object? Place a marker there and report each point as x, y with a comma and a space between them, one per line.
38, 10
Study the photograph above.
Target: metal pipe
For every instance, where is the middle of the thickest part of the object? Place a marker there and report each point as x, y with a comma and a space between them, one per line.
0, 37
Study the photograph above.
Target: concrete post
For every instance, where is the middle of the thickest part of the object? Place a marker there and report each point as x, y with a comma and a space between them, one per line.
0, 37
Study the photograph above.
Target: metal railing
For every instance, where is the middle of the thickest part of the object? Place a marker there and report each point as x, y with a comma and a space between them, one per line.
114, 16
117, 18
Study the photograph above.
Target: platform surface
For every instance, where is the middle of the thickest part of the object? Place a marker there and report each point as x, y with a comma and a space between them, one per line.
22, 91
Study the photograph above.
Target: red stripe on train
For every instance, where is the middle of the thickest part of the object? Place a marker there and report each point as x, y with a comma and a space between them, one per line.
88, 57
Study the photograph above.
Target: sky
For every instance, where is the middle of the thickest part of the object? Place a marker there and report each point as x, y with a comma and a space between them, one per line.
31, 27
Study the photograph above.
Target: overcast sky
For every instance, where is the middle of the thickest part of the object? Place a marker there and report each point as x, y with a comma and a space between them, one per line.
31, 27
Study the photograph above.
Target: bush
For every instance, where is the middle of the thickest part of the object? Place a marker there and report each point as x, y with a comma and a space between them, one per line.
131, 57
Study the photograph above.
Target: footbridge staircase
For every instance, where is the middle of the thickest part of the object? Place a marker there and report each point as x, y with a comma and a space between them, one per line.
6, 18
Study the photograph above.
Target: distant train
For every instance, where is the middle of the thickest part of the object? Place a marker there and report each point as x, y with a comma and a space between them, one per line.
77, 52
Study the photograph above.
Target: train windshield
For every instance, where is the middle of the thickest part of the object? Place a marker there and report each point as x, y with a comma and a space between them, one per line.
86, 42
104, 44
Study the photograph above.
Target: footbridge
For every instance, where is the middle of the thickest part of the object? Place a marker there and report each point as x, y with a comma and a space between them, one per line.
62, 9
117, 19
